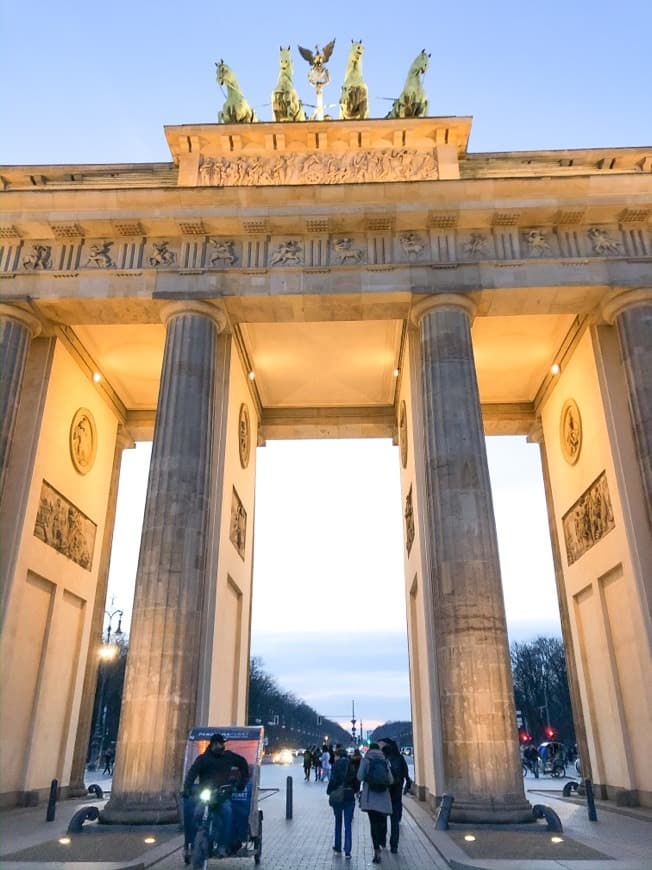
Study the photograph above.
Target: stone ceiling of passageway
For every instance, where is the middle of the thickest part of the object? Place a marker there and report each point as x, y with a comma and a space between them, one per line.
335, 364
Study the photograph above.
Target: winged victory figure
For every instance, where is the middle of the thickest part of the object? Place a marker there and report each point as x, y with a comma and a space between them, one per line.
319, 57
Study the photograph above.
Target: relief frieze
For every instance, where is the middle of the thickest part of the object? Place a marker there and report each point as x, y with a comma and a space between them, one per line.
589, 519
340, 249
396, 164
62, 526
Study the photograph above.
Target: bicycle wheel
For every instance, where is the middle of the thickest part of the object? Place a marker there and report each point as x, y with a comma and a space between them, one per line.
200, 850
259, 839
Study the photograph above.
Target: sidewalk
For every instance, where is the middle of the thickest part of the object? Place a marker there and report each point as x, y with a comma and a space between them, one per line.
620, 840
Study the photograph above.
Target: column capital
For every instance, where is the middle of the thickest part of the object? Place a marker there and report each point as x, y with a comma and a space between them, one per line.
22, 316
443, 300
204, 309
617, 302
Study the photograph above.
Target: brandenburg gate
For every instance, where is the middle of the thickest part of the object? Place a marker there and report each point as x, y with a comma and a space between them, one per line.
320, 279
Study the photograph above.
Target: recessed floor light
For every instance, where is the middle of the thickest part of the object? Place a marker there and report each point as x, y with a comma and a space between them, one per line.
556, 839
470, 838
150, 839
65, 841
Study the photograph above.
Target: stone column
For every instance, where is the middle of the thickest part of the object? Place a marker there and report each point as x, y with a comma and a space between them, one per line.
84, 723
17, 329
481, 762
631, 312
160, 694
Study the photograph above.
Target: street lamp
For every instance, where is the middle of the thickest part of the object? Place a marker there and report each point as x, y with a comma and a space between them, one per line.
107, 653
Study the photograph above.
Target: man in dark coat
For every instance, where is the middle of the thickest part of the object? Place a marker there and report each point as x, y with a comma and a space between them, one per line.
402, 782
218, 766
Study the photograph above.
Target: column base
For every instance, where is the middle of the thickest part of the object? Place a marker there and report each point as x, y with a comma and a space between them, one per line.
492, 812
155, 809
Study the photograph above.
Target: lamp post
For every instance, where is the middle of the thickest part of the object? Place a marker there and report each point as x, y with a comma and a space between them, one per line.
107, 654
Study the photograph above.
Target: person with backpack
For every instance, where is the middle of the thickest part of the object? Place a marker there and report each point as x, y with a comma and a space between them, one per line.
401, 775
342, 789
376, 777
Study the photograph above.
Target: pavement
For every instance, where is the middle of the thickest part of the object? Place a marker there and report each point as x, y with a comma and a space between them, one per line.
621, 839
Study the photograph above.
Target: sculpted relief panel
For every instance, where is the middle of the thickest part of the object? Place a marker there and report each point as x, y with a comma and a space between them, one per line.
62, 526
238, 526
396, 164
589, 519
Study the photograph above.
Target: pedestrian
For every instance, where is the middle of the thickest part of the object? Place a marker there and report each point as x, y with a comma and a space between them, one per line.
375, 775
402, 781
316, 762
531, 757
356, 758
342, 789
325, 764
108, 761
307, 764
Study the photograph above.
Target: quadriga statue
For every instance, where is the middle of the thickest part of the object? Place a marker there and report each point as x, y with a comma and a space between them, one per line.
413, 102
354, 102
236, 110
285, 100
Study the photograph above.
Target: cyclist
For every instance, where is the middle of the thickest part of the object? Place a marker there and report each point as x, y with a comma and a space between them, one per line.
215, 767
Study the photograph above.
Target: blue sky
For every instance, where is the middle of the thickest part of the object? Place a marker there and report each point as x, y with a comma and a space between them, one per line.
92, 83
96, 83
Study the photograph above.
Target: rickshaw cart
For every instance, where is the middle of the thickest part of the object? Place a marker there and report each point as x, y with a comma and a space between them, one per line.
247, 829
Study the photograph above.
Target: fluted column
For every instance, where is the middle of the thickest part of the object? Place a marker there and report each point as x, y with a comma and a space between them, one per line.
160, 694
631, 312
17, 329
481, 761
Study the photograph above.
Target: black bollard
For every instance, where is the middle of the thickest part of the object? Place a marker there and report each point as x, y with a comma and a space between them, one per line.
590, 800
443, 813
288, 798
52, 801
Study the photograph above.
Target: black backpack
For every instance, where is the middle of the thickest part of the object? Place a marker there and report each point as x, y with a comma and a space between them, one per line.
377, 777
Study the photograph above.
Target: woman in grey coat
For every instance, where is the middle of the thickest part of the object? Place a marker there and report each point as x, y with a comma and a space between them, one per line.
377, 803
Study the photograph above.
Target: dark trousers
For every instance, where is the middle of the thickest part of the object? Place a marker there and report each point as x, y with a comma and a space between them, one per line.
378, 825
306, 772
397, 815
344, 812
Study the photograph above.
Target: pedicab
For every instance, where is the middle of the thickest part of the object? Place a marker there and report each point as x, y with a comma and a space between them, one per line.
246, 837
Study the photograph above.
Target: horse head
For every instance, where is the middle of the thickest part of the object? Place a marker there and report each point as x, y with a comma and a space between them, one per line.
421, 62
287, 66
223, 73
357, 50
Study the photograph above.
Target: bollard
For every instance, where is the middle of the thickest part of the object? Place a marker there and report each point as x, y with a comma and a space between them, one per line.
570, 786
288, 798
52, 801
590, 800
443, 813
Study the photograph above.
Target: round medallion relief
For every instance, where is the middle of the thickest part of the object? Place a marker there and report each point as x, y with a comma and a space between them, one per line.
83, 440
570, 431
244, 436
402, 434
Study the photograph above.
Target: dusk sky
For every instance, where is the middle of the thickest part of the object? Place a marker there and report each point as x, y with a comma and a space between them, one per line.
96, 83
